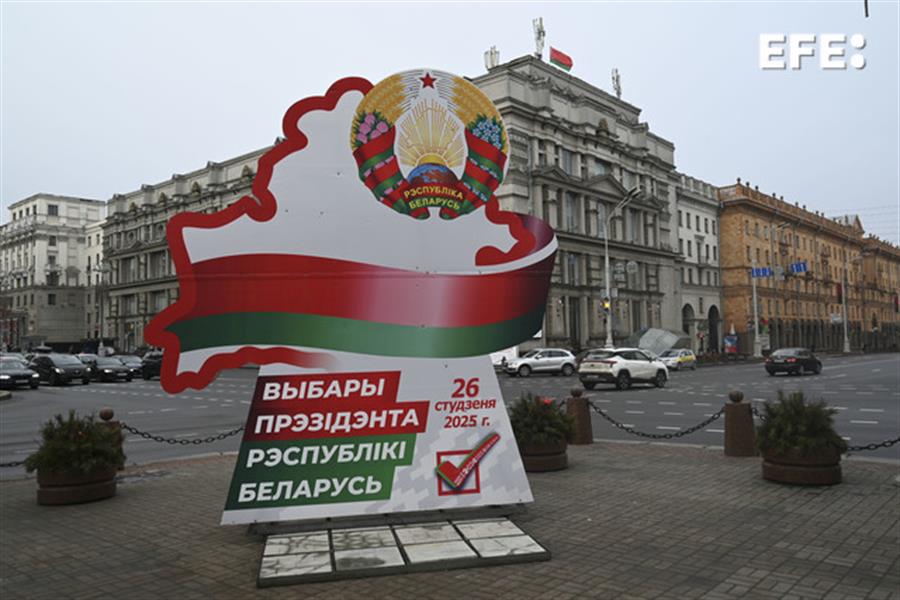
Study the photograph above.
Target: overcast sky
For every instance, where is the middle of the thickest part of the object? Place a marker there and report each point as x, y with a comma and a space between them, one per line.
99, 98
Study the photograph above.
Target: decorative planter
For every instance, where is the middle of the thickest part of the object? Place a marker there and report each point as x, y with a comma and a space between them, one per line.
68, 487
549, 456
822, 467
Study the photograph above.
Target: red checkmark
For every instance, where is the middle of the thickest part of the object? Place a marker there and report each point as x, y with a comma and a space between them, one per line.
455, 476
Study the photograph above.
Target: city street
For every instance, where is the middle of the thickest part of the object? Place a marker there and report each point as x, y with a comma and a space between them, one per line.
864, 389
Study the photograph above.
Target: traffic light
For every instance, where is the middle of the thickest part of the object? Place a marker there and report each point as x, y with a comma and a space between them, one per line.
607, 305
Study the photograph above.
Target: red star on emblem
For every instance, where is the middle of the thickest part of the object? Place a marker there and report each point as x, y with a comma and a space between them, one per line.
428, 80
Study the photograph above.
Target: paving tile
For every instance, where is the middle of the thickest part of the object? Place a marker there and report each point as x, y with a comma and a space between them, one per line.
506, 546
438, 551
419, 534
488, 528
362, 538
293, 565
367, 558
277, 545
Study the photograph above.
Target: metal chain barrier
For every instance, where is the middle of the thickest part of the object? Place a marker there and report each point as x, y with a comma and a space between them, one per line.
884, 444
657, 436
758, 414
183, 442
874, 446
15, 463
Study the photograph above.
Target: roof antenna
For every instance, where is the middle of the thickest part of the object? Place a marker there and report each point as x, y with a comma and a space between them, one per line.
617, 83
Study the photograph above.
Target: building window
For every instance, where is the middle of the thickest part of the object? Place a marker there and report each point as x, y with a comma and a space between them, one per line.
706, 225
698, 222
690, 275
542, 152
51, 299
52, 210
680, 246
601, 220
572, 270
707, 251
690, 251
570, 217
757, 256
568, 163
714, 227
747, 228
748, 254
680, 220
688, 220
51, 241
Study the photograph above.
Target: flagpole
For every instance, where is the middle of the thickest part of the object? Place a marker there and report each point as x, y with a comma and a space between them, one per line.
757, 346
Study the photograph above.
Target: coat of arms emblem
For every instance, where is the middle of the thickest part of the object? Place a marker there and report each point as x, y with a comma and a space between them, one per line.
429, 139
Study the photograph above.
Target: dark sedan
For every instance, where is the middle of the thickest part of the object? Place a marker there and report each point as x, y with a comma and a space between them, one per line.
14, 372
793, 361
151, 364
110, 369
57, 369
132, 362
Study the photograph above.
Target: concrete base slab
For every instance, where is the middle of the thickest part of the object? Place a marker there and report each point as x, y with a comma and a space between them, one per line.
332, 554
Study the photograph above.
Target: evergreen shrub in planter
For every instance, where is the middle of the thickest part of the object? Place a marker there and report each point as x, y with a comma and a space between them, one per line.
798, 442
77, 460
542, 432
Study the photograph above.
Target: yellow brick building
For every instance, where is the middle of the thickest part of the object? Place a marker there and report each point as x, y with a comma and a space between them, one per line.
804, 308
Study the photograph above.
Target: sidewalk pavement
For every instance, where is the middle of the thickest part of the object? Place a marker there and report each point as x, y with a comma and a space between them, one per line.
624, 521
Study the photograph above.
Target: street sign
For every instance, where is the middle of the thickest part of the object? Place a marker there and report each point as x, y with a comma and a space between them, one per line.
836, 318
799, 267
761, 272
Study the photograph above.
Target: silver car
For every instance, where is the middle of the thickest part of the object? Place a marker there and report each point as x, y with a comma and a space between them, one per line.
542, 360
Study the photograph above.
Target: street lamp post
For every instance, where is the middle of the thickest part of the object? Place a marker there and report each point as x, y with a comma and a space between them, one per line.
844, 292
102, 269
631, 195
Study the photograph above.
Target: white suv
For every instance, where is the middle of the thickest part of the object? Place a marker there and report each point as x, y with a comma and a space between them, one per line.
542, 360
621, 366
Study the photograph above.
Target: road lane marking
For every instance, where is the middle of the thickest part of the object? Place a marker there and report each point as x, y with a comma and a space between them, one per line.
673, 414
634, 402
701, 404
167, 409
630, 425
716, 430
634, 412
875, 410
245, 402
668, 428
839, 407
666, 403
876, 370
202, 406
864, 422
866, 393
845, 438
603, 401
185, 435
137, 412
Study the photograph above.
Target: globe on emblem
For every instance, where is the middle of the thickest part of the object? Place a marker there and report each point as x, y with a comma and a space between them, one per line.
432, 174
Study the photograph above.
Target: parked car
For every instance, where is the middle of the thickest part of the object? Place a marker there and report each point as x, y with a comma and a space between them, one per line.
794, 361
151, 364
14, 372
131, 361
679, 359
542, 360
621, 366
110, 369
16, 355
57, 369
